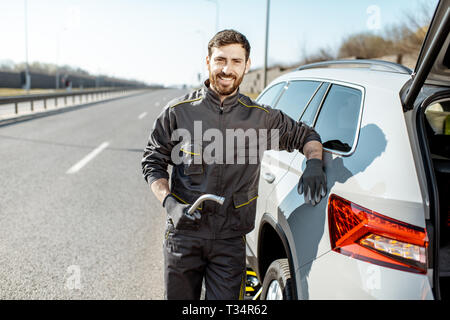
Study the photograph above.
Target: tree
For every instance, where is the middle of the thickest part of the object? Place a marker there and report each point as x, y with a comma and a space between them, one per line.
365, 46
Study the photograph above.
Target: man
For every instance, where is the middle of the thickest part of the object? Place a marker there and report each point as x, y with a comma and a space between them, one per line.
212, 245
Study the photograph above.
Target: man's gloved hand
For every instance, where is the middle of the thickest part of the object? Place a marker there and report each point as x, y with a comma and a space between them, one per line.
178, 212
313, 182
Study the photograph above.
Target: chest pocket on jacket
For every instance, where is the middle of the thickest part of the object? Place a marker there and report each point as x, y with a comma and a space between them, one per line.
192, 155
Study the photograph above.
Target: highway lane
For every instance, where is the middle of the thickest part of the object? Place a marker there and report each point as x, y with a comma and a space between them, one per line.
96, 232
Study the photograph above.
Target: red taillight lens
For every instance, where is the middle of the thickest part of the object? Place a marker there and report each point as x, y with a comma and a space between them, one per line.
364, 234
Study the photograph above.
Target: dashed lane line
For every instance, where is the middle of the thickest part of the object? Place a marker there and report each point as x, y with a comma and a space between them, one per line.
80, 164
142, 115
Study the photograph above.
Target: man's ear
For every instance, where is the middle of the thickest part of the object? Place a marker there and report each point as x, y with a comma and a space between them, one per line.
207, 60
247, 65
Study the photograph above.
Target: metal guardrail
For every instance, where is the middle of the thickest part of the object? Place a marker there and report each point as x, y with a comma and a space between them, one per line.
94, 94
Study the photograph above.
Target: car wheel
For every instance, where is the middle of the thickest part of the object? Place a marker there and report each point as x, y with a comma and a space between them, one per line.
277, 283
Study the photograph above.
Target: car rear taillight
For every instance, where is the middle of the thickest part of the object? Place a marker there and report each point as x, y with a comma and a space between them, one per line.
366, 235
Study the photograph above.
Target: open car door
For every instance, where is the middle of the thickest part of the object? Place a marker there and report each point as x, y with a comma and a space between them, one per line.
433, 64
429, 82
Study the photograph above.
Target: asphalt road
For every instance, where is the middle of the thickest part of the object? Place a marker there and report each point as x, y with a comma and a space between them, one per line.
95, 232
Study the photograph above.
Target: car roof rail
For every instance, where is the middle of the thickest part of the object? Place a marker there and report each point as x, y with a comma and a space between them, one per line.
372, 64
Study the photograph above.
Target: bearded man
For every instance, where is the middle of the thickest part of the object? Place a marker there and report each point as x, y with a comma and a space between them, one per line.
212, 246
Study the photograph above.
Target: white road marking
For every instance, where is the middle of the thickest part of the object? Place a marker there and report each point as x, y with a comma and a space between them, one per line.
142, 115
80, 164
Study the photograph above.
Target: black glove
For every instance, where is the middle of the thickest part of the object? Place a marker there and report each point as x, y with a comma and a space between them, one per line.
313, 182
177, 212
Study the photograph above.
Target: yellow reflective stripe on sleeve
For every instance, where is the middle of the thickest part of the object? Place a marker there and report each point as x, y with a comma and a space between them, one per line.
179, 198
253, 106
241, 205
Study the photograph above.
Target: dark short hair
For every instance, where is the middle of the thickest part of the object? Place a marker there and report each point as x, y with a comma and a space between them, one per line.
229, 36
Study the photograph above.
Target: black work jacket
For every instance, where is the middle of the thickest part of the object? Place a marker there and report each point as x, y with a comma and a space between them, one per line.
198, 170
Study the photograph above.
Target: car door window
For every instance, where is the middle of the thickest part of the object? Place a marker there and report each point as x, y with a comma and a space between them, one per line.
310, 112
296, 97
337, 122
269, 97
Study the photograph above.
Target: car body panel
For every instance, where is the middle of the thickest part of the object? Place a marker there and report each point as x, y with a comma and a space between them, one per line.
277, 164
383, 177
358, 280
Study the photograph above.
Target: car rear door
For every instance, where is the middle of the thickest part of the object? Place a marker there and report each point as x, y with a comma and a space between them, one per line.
294, 97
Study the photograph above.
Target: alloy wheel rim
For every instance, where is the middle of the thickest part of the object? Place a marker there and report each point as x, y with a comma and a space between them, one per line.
274, 291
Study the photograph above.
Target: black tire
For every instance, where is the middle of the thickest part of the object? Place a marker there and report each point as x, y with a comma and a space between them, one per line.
278, 271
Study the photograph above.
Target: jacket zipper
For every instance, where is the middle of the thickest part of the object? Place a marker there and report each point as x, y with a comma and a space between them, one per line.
219, 180
221, 130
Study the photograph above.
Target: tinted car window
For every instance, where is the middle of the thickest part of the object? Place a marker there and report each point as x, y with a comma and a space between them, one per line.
296, 97
311, 109
270, 96
338, 118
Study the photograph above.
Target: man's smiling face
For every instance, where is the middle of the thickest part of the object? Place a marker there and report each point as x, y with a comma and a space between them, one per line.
227, 66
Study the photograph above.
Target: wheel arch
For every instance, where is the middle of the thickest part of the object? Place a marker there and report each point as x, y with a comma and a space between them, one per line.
272, 245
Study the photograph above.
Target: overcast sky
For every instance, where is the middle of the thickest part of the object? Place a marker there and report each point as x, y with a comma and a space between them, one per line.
164, 41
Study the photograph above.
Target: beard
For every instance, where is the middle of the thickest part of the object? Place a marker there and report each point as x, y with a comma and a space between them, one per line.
221, 89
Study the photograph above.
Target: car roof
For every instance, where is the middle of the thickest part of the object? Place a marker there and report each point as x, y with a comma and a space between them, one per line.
356, 76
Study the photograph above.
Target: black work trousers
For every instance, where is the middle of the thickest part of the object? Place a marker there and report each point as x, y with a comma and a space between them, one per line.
187, 260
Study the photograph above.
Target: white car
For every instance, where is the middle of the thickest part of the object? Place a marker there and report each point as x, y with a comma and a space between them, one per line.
383, 229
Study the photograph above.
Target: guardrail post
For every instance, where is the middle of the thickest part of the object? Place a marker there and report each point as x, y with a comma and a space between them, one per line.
90, 95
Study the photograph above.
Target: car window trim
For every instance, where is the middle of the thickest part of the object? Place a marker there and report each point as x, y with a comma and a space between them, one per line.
310, 98
323, 83
279, 94
358, 126
330, 83
321, 104
286, 87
